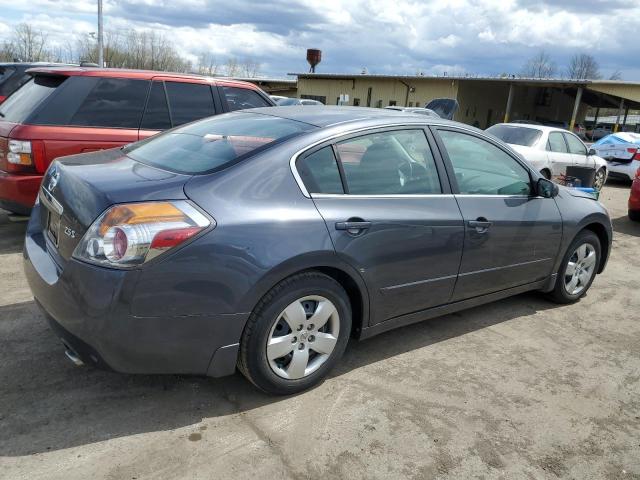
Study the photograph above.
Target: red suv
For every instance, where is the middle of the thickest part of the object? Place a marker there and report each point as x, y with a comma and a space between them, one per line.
64, 111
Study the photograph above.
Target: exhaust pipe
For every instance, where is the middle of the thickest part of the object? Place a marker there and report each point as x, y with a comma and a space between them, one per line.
71, 355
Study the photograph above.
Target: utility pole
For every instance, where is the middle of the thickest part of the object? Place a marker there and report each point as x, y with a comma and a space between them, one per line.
100, 36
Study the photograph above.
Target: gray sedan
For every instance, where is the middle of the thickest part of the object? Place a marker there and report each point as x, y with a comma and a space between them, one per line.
264, 239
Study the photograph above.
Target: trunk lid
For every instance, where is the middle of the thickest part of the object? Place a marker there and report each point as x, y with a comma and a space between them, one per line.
77, 189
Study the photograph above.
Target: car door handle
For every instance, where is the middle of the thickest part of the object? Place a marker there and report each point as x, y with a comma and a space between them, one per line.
353, 227
481, 224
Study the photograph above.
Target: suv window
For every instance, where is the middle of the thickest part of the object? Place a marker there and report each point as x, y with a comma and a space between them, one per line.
25, 100
396, 162
113, 102
156, 115
575, 145
241, 98
5, 73
556, 143
481, 168
189, 101
319, 172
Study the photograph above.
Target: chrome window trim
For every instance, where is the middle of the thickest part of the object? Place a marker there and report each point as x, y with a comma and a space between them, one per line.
294, 158
382, 195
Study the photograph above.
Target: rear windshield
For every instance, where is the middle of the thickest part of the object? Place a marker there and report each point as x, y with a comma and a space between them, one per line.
27, 98
5, 73
515, 135
215, 142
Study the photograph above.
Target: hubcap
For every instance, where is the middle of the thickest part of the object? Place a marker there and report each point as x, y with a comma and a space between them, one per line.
303, 337
580, 269
599, 180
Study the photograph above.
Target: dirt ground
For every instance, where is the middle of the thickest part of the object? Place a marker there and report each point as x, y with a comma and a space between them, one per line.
521, 388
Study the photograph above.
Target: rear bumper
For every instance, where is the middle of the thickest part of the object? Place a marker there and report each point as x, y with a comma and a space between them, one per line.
624, 171
18, 192
88, 307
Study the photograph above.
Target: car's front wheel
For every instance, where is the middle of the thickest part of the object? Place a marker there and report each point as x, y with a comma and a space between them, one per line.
599, 179
578, 268
296, 334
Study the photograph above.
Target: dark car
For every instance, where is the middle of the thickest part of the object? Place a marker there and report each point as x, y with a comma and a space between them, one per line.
266, 238
14, 75
66, 110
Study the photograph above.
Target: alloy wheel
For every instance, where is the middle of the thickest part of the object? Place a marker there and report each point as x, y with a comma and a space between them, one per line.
303, 337
598, 182
580, 269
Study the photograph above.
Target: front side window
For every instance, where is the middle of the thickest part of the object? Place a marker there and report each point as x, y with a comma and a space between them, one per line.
241, 98
189, 101
319, 172
397, 162
556, 143
113, 102
575, 145
481, 168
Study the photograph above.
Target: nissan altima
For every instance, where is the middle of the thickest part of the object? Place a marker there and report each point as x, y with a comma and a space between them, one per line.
264, 239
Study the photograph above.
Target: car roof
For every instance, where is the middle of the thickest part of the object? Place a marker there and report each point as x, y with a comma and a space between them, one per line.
134, 74
326, 116
542, 128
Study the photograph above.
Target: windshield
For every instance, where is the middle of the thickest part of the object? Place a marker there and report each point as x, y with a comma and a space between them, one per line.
288, 101
28, 97
214, 143
524, 136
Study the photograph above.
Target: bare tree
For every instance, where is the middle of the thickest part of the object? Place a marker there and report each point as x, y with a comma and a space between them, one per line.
28, 43
232, 69
617, 75
208, 64
539, 66
583, 66
249, 68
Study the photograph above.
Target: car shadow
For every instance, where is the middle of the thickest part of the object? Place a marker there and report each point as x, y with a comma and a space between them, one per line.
12, 230
625, 225
49, 404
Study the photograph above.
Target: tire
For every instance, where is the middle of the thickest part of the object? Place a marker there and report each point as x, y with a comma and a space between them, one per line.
276, 319
565, 291
599, 179
546, 173
634, 215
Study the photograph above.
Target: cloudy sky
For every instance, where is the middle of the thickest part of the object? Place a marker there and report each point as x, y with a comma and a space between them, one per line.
485, 37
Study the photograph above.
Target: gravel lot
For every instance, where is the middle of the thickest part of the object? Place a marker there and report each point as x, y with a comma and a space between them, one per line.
521, 388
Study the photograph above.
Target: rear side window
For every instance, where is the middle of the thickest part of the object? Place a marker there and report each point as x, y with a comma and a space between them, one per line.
156, 115
319, 172
113, 102
5, 74
556, 143
19, 106
397, 162
189, 101
241, 98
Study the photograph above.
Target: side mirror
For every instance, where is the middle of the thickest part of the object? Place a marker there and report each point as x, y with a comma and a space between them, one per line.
546, 188
592, 152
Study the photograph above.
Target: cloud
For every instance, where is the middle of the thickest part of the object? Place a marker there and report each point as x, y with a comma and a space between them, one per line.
404, 36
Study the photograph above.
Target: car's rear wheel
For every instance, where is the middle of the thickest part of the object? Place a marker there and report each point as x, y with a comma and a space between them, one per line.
578, 268
634, 215
599, 179
296, 334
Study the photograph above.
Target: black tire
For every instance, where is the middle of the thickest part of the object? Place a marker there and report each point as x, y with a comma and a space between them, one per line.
560, 293
634, 215
596, 180
252, 360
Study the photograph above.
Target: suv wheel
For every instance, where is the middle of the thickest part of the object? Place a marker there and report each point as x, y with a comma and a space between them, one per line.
578, 268
296, 334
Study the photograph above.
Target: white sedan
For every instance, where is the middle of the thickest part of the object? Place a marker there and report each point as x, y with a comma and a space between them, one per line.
551, 150
622, 151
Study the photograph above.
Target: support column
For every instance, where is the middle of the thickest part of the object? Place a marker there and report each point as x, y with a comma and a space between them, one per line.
576, 106
616, 127
507, 112
626, 114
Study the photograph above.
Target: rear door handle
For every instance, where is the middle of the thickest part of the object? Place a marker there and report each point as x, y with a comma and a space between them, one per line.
481, 224
353, 228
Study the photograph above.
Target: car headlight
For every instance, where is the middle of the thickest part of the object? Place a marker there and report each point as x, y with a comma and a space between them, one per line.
128, 235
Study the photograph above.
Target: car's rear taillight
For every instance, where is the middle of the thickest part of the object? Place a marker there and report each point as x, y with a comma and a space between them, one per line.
131, 234
636, 153
24, 155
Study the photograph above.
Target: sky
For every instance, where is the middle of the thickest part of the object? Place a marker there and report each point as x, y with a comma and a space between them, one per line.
476, 37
